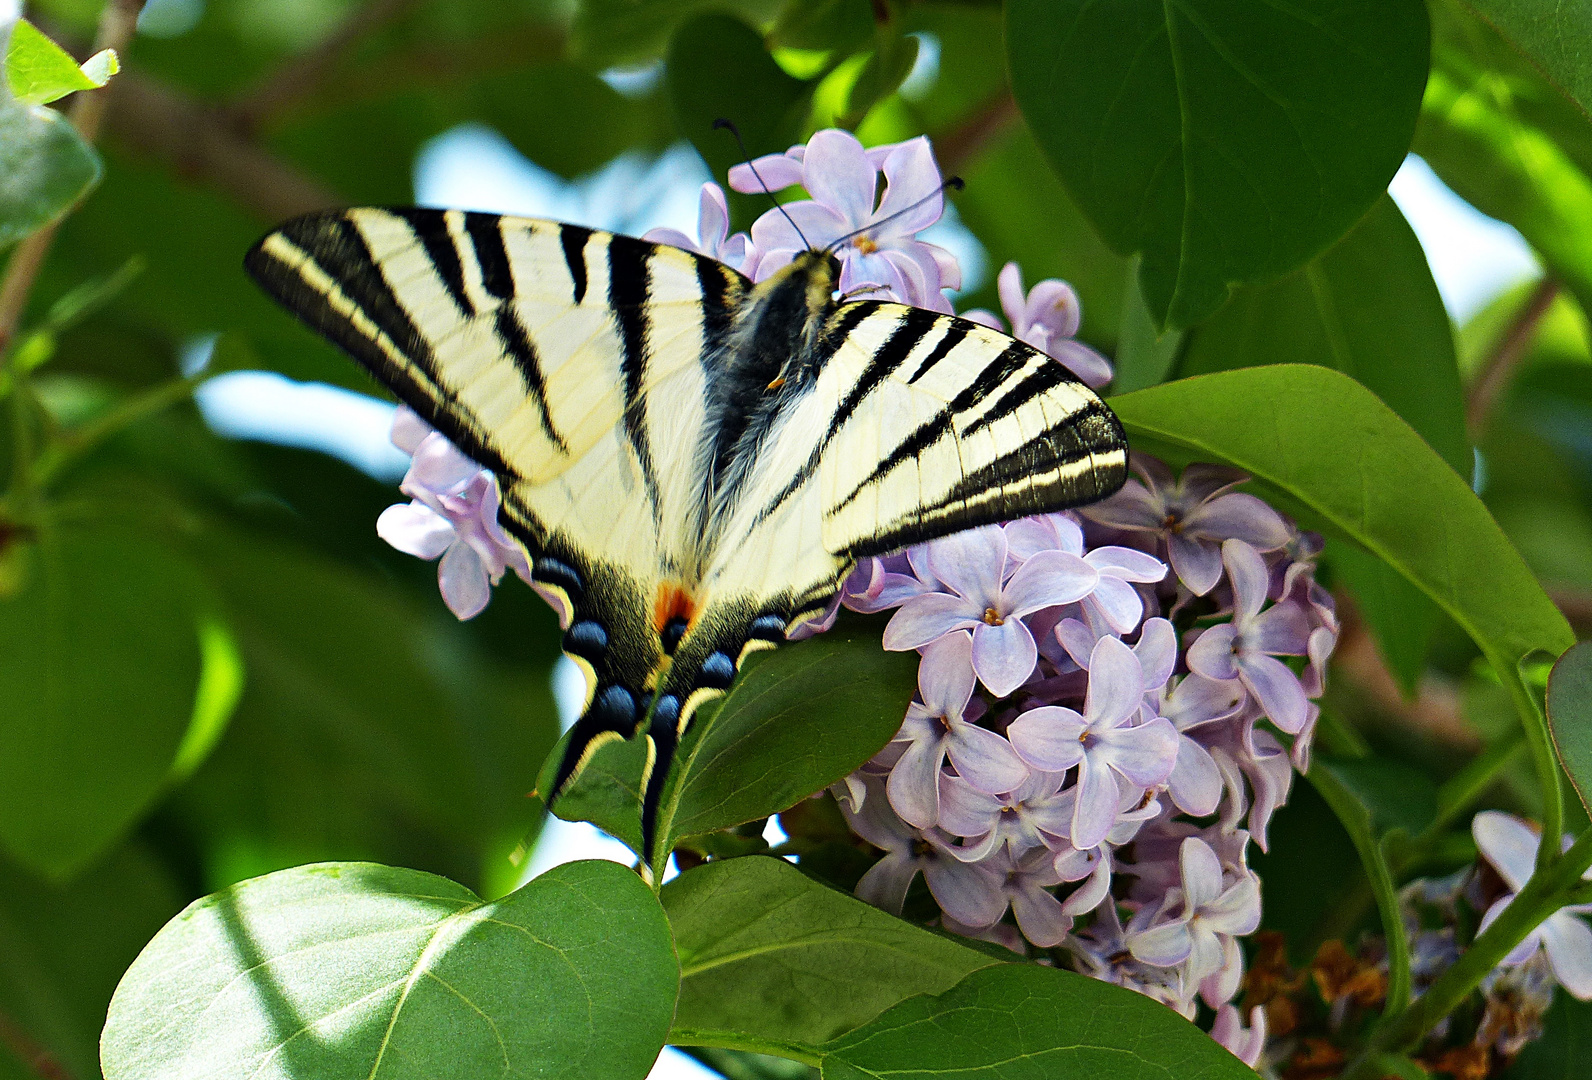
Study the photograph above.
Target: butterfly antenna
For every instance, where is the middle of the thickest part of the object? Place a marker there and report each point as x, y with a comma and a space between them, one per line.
954, 183
747, 160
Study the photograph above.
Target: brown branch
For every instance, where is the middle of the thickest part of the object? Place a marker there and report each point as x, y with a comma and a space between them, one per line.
1504, 359
957, 146
118, 19
302, 76
40, 1061
154, 119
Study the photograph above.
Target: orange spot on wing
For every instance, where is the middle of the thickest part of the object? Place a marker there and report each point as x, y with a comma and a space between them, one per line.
672, 602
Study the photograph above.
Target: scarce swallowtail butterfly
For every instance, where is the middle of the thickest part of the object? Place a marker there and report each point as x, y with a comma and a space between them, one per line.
694, 463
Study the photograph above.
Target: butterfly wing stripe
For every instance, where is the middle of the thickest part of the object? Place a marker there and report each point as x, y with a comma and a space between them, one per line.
628, 287
443, 251
956, 331
491, 255
572, 239
518, 346
911, 329
719, 293
1044, 377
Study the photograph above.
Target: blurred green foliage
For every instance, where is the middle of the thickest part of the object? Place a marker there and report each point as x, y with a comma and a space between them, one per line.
212, 669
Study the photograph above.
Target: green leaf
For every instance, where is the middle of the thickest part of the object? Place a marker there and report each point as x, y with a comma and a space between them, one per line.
221, 678
98, 664
45, 167
1570, 716
1367, 307
717, 69
1227, 143
38, 71
1507, 143
1145, 357
607, 33
1329, 451
797, 719
65, 947
1023, 1022
364, 971
1555, 37
767, 952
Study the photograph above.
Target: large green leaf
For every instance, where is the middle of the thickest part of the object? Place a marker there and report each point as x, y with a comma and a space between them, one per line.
1556, 37
796, 720
610, 32
1570, 716
766, 951
1506, 142
99, 660
45, 167
1023, 1022
1367, 307
1329, 450
717, 68
65, 947
1227, 142
364, 971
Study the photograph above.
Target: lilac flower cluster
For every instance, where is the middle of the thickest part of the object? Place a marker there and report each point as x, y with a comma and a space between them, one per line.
1100, 729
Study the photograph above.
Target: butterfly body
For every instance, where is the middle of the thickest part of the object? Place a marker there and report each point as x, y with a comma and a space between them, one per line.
692, 462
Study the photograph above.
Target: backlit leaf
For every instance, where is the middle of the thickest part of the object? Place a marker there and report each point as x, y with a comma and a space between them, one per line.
1570, 716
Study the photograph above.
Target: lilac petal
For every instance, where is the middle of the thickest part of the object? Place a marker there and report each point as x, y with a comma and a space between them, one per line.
1117, 603
878, 824
778, 171
1244, 1044
1145, 754
964, 810
1166, 945
1040, 916
874, 276
1249, 576
1053, 305
1202, 481
1508, 843
1198, 562
837, 174
408, 430
983, 318
1134, 507
1087, 896
1237, 910
416, 529
1198, 700
1568, 942
1092, 369
1222, 985
1237, 516
914, 784
971, 563
1126, 563
1078, 639
913, 181
1027, 537
1071, 864
926, 619
440, 466
945, 675
1211, 655
1004, 656
1276, 690
984, 759
1009, 287
713, 216
1096, 809
465, 585
950, 270
1157, 652
1205, 952
1201, 873
968, 893
673, 238
886, 883
1048, 738
1196, 783
1116, 684
1281, 630
919, 277
775, 231
1528, 945
1048, 579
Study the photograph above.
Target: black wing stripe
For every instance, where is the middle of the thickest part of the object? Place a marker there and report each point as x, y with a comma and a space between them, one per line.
431, 229
486, 236
573, 238
912, 328
517, 343
629, 282
717, 285
1049, 375
954, 336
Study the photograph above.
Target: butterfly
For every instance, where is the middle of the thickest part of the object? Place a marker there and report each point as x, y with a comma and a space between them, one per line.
694, 463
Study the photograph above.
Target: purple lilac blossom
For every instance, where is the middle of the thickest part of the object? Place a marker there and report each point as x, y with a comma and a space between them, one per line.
713, 234
1046, 318
1191, 516
1510, 846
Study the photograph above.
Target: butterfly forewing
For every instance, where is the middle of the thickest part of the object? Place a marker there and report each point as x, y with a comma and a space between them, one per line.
670, 490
